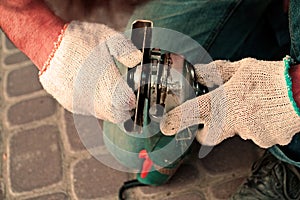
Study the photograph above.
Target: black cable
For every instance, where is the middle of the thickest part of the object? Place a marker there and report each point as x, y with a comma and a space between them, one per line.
127, 185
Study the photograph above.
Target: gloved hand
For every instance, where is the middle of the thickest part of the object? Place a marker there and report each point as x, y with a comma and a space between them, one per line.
82, 75
254, 101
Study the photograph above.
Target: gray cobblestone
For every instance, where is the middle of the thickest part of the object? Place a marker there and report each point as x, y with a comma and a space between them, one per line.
83, 132
35, 159
232, 155
31, 110
1, 35
2, 191
92, 179
23, 81
15, 58
73, 137
9, 44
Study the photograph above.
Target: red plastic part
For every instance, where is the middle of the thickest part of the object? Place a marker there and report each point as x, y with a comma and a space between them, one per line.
148, 163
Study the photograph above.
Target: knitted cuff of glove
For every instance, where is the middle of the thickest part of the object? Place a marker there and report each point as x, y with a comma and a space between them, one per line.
288, 62
56, 46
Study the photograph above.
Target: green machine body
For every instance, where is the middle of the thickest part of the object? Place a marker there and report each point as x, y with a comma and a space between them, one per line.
162, 81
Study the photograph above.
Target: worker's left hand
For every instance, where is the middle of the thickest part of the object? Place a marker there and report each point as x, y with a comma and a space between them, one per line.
82, 73
254, 102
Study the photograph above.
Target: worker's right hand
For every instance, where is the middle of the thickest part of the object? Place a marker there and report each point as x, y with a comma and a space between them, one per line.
82, 75
254, 100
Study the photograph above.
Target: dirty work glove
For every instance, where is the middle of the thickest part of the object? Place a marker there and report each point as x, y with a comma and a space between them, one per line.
254, 102
82, 75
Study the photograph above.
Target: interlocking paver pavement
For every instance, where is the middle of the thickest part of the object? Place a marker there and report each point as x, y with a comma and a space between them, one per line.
44, 159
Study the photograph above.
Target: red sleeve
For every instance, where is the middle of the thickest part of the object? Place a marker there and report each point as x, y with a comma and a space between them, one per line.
295, 75
31, 26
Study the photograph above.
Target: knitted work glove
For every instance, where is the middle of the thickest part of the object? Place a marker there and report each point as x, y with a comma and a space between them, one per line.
82, 75
255, 102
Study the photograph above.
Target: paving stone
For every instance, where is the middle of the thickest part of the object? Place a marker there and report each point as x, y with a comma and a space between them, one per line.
15, 58
23, 81
231, 155
1, 41
57, 196
35, 158
186, 175
2, 140
73, 137
226, 189
9, 44
2, 191
92, 179
31, 110
190, 196
91, 135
